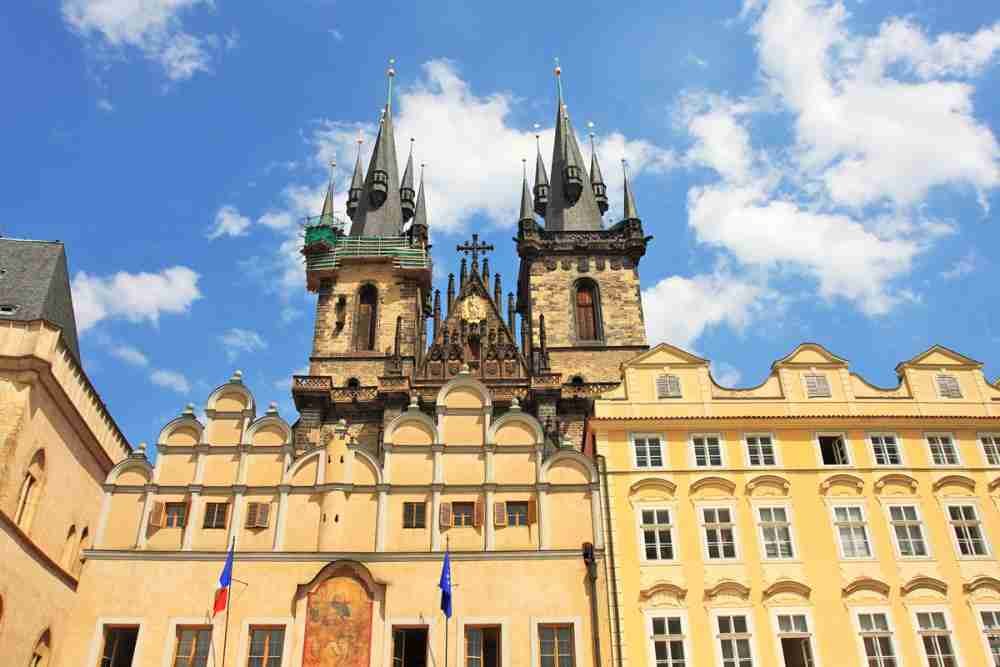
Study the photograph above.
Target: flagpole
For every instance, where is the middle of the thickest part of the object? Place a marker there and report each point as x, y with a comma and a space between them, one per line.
229, 601
447, 548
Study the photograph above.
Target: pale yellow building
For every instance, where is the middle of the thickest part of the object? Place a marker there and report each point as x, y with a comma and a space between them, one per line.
815, 519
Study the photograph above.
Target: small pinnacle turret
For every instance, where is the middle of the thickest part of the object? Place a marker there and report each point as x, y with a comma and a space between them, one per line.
541, 189
526, 213
630, 210
357, 183
406, 190
418, 230
597, 178
326, 216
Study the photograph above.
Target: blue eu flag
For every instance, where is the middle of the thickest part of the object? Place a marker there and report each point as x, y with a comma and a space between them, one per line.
445, 585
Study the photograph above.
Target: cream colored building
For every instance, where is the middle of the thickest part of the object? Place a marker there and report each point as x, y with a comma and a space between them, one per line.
815, 519
57, 444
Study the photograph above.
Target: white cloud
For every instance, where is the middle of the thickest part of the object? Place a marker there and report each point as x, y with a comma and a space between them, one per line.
238, 341
336, 34
285, 383
963, 267
725, 374
171, 380
133, 296
229, 222
105, 105
153, 27
130, 355
678, 310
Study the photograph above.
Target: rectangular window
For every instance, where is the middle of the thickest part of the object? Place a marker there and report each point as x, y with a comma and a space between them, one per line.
119, 646
720, 533
258, 515
948, 386
648, 451
192, 646
707, 450
776, 532
817, 386
833, 450
796, 640
555, 643
876, 637
175, 515
463, 514
908, 531
517, 513
943, 450
760, 450
932, 627
668, 641
409, 647
668, 386
886, 449
991, 448
414, 515
482, 646
657, 534
991, 633
968, 531
734, 641
216, 515
266, 645
852, 532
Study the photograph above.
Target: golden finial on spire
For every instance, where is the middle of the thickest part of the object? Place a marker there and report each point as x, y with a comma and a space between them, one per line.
524, 168
590, 126
558, 69
390, 74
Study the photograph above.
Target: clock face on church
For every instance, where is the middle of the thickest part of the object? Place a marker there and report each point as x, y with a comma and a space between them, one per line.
473, 309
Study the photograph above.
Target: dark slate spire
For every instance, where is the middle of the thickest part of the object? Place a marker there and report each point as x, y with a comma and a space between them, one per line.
418, 230
597, 178
526, 213
572, 207
326, 216
451, 293
541, 190
357, 183
630, 211
379, 209
406, 191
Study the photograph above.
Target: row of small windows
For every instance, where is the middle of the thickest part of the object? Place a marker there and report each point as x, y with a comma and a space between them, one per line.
669, 638
817, 385
774, 523
216, 517
707, 450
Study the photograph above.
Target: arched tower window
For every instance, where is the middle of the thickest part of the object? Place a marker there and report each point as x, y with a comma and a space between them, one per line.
364, 332
587, 307
31, 489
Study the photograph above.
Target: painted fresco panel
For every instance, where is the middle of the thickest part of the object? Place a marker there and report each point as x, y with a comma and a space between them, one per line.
338, 624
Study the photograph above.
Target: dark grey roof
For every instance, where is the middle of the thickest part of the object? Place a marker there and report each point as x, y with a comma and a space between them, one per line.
327, 212
630, 211
596, 177
358, 179
408, 172
34, 285
420, 216
541, 178
526, 210
560, 215
387, 219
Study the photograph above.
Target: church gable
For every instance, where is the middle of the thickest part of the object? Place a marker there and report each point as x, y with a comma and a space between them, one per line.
810, 354
665, 354
938, 356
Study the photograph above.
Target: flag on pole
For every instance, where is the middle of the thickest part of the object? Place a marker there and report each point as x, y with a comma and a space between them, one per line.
225, 581
445, 585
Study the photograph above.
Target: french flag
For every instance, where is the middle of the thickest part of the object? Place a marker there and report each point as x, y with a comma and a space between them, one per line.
225, 581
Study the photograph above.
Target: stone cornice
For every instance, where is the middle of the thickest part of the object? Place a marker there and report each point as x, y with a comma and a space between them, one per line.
327, 556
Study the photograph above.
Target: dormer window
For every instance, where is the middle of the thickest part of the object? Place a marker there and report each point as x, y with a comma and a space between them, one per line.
668, 386
379, 189
948, 386
572, 183
9, 309
817, 385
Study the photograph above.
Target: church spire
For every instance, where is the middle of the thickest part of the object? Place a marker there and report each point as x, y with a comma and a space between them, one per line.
406, 190
596, 177
572, 207
541, 190
326, 216
525, 195
418, 230
630, 211
379, 211
357, 182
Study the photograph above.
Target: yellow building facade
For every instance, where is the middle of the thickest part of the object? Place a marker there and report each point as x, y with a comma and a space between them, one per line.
813, 520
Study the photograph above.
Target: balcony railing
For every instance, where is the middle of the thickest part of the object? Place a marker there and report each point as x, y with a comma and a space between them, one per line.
404, 253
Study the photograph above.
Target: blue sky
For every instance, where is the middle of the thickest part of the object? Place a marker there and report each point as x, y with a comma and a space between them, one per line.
811, 170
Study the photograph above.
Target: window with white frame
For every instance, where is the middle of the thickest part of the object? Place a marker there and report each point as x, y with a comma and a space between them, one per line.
943, 450
720, 533
833, 449
876, 638
648, 451
668, 641
734, 640
668, 386
990, 623
760, 450
935, 635
657, 534
852, 531
991, 447
817, 385
968, 530
707, 450
885, 449
947, 386
776, 532
908, 531
796, 640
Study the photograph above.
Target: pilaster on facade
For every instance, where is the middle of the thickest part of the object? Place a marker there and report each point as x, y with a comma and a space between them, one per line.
282, 518
489, 522
147, 504
194, 509
102, 520
434, 519
380, 517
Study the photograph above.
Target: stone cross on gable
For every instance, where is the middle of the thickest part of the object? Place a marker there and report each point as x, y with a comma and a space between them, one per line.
475, 248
